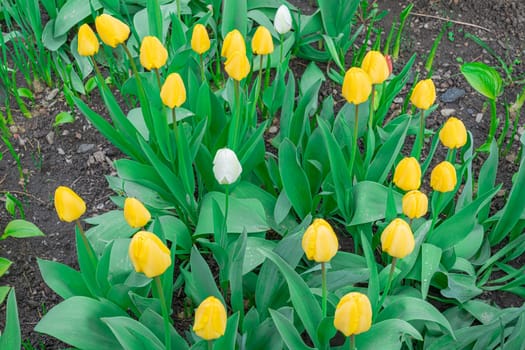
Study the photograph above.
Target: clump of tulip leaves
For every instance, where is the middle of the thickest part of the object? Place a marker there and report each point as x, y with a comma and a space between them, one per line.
338, 236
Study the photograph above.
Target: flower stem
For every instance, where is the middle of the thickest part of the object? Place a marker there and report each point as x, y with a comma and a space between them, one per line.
236, 118
352, 342
89, 250
389, 282
210, 344
371, 115
354, 141
281, 36
165, 312
157, 74
224, 231
201, 61
323, 279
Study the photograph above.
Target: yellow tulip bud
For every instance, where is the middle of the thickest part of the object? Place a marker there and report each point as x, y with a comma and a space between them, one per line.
443, 177
357, 86
376, 66
453, 134
173, 92
153, 54
149, 254
135, 213
319, 241
262, 42
353, 314
415, 204
68, 205
233, 42
87, 41
237, 65
424, 94
407, 175
112, 31
210, 319
397, 239
200, 41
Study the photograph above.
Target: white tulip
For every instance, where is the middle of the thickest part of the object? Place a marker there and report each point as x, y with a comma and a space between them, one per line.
226, 166
283, 20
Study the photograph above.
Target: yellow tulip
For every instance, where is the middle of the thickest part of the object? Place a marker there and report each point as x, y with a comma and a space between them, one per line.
149, 254
357, 86
262, 42
233, 42
68, 205
200, 41
397, 239
376, 66
443, 177
173, 92
237, 65
424, 94
153, 54
135, 213
415, 204
407, 175
320, 241
87, 41
453, 134
353, 314
112, 31
210, 319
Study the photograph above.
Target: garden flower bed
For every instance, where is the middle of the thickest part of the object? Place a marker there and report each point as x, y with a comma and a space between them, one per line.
445, 273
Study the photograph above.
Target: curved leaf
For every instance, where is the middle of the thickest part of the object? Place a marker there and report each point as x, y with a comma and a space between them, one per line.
386, 335
484, 79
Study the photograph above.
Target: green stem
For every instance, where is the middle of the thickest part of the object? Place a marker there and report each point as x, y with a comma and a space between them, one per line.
236, 119
210, 345
259, 90
203, 76
281, 37
323, 279
493, 121
175, 128
371, 115
354, 140
389, 282
352, 342
178, 9
165, 312
157, 74
89, 250
224, 231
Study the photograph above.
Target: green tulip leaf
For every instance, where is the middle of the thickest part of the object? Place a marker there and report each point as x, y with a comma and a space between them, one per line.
131, 334
72, 13
62, 279
229, 339
51, 41
430, 256
4, 290
10, 339
69, 320
461, 287
4, 265
234, 16
155, 323
370, 200
469, 246
288, 331
387, 334
21, 229
200, 283
484, 79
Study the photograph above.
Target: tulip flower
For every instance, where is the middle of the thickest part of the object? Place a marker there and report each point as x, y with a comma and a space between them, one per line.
376, 66
397, 239
135, 213
173, 92
415, 204
87, 41
262, 42
112, 31
237, 65
407, 175
424, 94
320, 241
353, 314
226, 166
200, 41
282, 21
233, 42
210, 319
69, 206
453, 134
443, 177
357, 86
149, 254
153, 55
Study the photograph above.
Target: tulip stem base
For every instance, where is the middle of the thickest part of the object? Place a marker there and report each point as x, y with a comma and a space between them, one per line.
323, 281
210, 345
224, 231
353, 151
352, 342
165, 312
89, 250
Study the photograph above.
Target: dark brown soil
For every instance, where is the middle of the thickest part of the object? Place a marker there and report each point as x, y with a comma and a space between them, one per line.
79, 157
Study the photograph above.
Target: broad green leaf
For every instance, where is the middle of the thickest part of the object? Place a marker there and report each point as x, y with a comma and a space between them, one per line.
21, 229
51, 41
176, 231
336, 15
72, 13
200, 284
4, 290
430, 258
62, 279
487, 177
131, 334
386, 334
4, 265
370, 199
253, 256
234, 16
471, 244
69, 320
229, 339
461, 287
10, 339
483, 78
63, 118
288, 331
414, 309
108, 227
237, 252
155, 323
295, 181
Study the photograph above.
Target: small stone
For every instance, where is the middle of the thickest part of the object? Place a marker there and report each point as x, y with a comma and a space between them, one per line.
13, 129
521, 130
447, 112
452, 95
511, 157
500, 193
398, 100
470, 111
65, 132
60, 151
99, 156
50, 137
85, 147
52, 94
273, 129
479, 117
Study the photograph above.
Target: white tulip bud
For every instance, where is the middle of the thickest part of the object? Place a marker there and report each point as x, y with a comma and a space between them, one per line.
283, 20
226, 166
